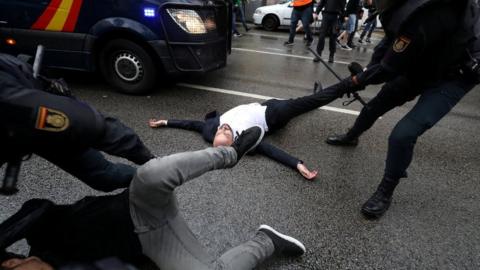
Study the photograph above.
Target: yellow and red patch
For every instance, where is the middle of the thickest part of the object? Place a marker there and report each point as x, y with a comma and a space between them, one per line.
401, 44
51, 120
60, 15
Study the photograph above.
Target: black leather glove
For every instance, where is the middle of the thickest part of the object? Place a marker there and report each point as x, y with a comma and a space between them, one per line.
56, 86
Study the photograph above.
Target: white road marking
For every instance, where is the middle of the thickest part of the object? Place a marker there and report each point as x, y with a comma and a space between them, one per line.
266, 35
236, 93
282, 54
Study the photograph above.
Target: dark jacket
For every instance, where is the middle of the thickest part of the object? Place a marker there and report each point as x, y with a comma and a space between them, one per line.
208, 128
331, 6
422, 49
353, 7
91, 229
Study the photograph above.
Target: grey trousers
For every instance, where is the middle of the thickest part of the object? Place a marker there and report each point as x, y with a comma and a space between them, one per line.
164, 234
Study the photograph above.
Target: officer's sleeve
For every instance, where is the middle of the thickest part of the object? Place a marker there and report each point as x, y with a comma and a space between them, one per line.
379, 51
278, 155
14, 114
398, 55
407, 48
192, 125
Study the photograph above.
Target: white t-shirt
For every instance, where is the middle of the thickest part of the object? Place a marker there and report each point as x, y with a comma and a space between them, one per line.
245, 116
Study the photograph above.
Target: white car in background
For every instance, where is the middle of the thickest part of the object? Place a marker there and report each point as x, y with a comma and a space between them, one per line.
274, 16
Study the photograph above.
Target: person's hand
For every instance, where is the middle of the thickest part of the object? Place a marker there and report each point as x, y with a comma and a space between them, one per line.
154, 123
305, 172
315, 16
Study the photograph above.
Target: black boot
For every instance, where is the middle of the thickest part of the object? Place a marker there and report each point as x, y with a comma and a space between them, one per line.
378, 204
350, 41
331, 58
342, 140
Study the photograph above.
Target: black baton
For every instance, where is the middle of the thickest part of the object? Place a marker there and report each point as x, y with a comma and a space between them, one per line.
356, 96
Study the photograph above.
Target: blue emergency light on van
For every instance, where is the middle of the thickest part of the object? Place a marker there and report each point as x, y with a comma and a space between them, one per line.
133, 43
149, 12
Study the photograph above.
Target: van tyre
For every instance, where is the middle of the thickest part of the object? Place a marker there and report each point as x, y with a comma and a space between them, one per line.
270, 23
127, 66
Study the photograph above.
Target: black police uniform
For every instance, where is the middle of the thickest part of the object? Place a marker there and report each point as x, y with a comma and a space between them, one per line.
332, 9
63, 130
418, 56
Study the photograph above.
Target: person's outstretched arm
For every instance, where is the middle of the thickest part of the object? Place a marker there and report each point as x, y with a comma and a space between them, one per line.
283, 157
192, 125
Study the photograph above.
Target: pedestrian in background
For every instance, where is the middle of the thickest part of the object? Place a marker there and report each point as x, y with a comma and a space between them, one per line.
302, 10
332, 10
370, 23
351, 11
238, 8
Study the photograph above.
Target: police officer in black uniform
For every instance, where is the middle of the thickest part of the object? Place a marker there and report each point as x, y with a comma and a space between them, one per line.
423, 54
38, 116
331, 10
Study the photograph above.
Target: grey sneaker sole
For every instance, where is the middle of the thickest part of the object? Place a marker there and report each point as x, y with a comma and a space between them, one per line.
283, 236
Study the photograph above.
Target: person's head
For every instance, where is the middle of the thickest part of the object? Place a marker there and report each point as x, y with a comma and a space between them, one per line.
30, 263
223, 136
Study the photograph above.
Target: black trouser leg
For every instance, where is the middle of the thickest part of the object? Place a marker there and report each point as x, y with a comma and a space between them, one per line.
120, 140
329, 22
280, 112
91, 167
392, 94
433, 105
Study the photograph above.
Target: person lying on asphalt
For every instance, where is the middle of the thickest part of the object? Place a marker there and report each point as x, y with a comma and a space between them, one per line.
272, 115
143, 220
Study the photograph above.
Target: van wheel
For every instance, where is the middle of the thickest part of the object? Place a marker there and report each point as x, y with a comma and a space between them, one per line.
127, 66
270, 23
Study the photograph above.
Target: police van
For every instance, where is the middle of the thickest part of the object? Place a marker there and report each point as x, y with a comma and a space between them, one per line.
130, 42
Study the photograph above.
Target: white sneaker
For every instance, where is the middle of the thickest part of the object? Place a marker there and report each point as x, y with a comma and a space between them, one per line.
284, 245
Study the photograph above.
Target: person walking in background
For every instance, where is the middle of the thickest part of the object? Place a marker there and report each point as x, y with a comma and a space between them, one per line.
332, 9
239, 7
370, 23
351, 11
234, 27
302, 10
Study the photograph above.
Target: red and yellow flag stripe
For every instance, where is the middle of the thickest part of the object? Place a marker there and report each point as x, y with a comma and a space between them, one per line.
60, 15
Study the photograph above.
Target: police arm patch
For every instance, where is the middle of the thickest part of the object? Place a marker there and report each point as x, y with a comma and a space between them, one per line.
51, 120
401, 44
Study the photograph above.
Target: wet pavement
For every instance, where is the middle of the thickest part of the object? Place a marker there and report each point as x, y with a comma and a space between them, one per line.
433, 222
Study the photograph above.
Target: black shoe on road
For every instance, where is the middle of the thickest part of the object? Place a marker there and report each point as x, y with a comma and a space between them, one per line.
248, 140
316, 59
284, 245
377, 205
342, 140
288, 43
330, 58
309, 42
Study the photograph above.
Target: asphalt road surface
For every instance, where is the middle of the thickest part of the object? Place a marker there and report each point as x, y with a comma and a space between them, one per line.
433, 222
